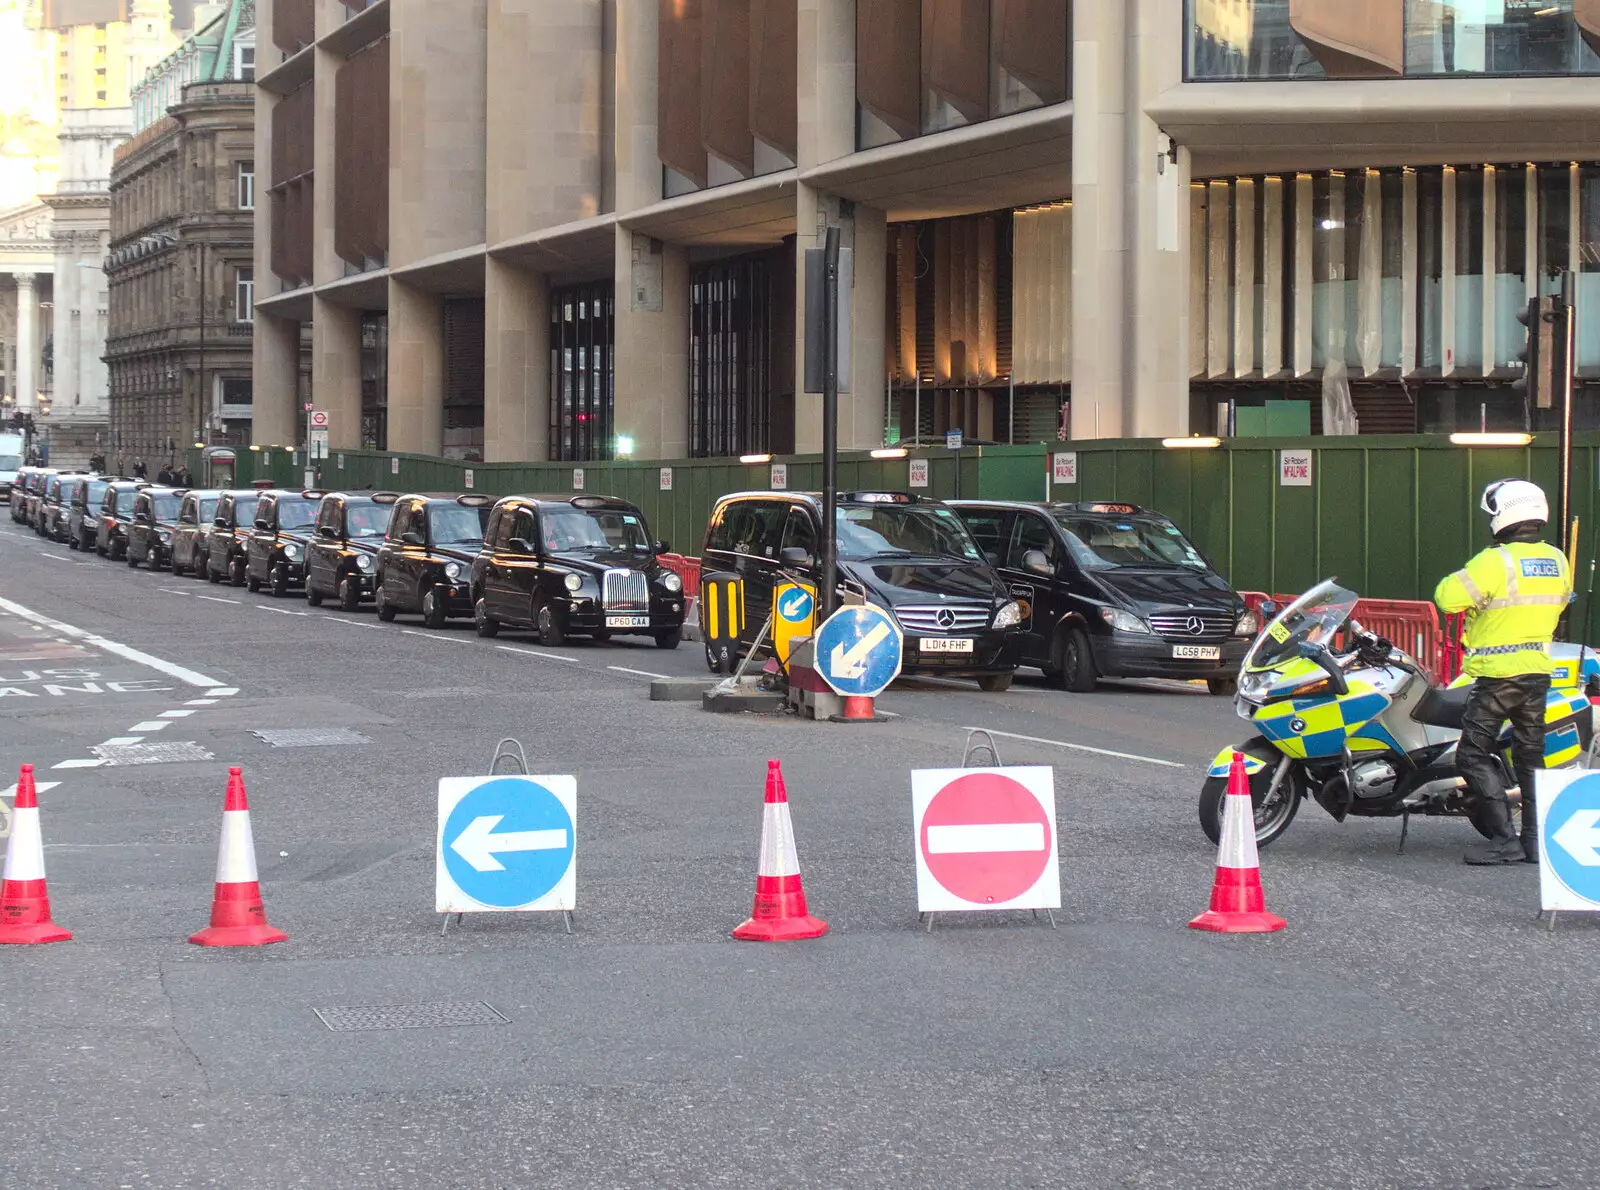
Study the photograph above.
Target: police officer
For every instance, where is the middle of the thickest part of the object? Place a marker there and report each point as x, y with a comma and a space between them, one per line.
1513, 593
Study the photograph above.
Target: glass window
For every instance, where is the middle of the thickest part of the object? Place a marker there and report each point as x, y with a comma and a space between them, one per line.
165, 505
457, 524
295, 514
988, 529
800, 532
1031, 533
365, 520
1106, 544
523, 526
890, 530
585, 529
753, 527
246, 179
244, 508
208, 510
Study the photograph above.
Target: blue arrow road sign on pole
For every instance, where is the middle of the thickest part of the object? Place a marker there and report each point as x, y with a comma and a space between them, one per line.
1569, 813
858, 650
795, 605
506, 843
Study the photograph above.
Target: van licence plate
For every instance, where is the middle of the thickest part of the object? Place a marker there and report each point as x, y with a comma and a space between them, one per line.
945, 644
627, 621
1198, 652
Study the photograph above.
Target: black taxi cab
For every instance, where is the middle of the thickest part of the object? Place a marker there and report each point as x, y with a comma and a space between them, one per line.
83, 512
116, 514
36, 491
190, 544
276, 555
1113, 590
580, 565
150, 532
424, 560
19, 492
342, 558
57, 506
228, 543
911, 556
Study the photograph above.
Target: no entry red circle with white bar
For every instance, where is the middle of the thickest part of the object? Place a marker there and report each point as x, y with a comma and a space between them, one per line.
986, 839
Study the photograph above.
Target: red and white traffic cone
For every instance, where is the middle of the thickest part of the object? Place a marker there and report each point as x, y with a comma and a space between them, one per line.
238, 918
1238, 905
780, 913
24, 901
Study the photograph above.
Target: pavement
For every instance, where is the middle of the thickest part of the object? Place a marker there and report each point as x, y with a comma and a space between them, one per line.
1412, 1026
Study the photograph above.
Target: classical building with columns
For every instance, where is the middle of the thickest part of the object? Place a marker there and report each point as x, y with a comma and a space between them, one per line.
567, 229
27, 261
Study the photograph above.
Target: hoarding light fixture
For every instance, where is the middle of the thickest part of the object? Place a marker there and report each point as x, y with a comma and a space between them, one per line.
755, 458
890, 452
1195, 443
1491, 439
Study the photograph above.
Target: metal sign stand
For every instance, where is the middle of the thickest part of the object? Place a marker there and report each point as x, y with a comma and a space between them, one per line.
515, 755
984, 745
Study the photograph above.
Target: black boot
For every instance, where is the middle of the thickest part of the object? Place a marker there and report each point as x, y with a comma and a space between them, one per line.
1492, 816
1530, 826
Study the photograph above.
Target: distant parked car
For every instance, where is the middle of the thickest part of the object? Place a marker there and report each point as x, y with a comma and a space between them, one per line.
424, 561
116, 514
155, 521
229, 539
342, 558
190, 547
277, 551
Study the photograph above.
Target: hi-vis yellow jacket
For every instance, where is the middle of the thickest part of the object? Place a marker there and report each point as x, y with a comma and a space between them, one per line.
1513, 595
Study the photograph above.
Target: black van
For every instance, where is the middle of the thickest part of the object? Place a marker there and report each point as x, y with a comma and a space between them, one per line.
1113, 590
909, 555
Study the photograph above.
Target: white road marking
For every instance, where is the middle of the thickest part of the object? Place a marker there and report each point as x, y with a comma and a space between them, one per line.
151, 725
217, 599
224, 691
534, 653
111, 646
176, 591
643, 673
282, 611
336, 619
10, 791
121, 740
1033, 739
174, 714
454, 640
985, 836
59, 558
201, 702
78, 764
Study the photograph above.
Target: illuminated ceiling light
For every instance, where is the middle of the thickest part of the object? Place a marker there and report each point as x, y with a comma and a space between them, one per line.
755, 458
1491, 439
890, 452
1330, 224
1195, 443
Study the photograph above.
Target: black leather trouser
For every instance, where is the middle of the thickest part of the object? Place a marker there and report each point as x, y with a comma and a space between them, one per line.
1493, 701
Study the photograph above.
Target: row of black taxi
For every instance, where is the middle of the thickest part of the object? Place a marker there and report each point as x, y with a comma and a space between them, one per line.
1078, 590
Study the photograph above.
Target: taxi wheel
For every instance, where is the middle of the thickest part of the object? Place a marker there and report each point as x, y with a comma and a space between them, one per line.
1223, 686
432, 610
1075, 661
313, 596
133, 563
482, 621
385, 608
551, 634
349, 594
211, 575
279, 579
995, 683
669, 640
252, 583
238, 577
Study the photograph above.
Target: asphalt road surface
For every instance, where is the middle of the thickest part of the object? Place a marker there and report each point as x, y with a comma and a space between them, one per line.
1412, 1026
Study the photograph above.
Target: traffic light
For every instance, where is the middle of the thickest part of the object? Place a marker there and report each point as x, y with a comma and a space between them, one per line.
1537, 385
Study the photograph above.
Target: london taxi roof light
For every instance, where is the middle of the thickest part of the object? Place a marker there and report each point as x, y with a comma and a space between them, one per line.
312, 494
475, 500
880, 498
591, 502
385, 497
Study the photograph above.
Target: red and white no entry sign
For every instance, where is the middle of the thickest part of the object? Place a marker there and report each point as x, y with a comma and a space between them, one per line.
986, 839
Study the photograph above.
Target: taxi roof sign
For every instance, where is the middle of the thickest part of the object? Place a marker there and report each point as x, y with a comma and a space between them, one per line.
475, 500
880, 498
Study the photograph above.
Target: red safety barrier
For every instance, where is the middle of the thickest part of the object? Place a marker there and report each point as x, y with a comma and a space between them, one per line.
688, 569
1413, 624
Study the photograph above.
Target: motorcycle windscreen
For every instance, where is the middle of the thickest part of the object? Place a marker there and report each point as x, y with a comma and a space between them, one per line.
1314, 618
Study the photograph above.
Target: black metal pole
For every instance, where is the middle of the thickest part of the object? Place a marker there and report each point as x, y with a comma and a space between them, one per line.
201, 403
1566, 326
828, 596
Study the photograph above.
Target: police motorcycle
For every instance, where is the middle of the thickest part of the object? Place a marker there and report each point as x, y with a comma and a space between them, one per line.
1348, 719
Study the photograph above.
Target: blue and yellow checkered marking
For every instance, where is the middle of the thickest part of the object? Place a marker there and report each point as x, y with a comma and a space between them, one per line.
1310, 728
1223, 764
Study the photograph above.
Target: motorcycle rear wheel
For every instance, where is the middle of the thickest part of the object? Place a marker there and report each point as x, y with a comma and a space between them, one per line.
1273, 818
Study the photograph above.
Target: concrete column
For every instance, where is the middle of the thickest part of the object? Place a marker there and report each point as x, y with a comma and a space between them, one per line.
275, 392
652, 345
326, 265
826, 73
638, 160
861, 410
336, 370
27, 347
516, 366
416, 370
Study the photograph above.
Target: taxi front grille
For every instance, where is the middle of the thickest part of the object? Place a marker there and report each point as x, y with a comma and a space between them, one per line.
627, 590
931, 618
1212, 626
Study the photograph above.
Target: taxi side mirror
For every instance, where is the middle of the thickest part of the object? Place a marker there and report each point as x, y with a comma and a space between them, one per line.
262, 523
661, 547
411, 537
520, 545
795, 558
326, 531
220, 523
1035, 561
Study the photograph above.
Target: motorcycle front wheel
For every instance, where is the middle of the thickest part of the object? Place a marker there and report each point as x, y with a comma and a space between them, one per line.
1272, 817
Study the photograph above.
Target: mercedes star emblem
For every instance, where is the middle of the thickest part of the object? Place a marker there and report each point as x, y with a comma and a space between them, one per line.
1195, 625
945, 618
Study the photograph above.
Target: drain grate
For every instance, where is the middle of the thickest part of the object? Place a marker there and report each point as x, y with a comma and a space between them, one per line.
349, 1018
310, 737
165, 753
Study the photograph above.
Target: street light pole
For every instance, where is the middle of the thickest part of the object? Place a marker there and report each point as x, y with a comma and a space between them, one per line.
828, 595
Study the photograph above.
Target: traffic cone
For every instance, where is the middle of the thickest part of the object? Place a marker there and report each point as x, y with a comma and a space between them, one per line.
780, 909
24, 901
238, 917
1237, 903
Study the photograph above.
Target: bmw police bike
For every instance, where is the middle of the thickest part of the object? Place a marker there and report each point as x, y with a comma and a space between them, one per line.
1355, 723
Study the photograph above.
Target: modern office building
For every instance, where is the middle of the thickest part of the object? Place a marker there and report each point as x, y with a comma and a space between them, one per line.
570, 229
181, 260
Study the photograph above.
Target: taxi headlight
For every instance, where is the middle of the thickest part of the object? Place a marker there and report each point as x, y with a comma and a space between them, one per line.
452, 570
363, 562
1248, 625
671, 581
1008, 616
164, 534
291, 552
1123, 621
574, 583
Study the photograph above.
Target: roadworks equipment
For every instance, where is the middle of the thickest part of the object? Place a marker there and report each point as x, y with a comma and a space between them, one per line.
1238, 905
24, 901
780, 913
238, 918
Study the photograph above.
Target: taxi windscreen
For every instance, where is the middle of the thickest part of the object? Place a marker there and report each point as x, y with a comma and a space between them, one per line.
296, 514
367, 520
457, 524
165, 506
898, 530
1100, 544
568, 529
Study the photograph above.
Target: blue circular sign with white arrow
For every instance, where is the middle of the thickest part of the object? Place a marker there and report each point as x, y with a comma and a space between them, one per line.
794, 605
508, 842
1572, 837
858, 650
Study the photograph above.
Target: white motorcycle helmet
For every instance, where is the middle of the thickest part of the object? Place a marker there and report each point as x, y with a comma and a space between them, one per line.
1512, 501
